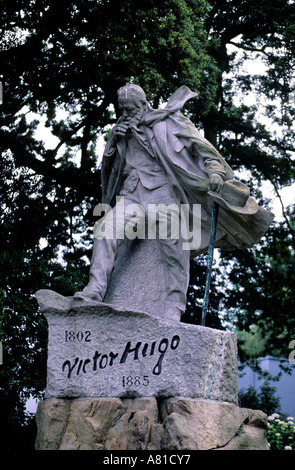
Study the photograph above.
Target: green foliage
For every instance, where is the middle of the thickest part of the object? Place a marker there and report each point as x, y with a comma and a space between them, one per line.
252, 344
281, 432
261, 293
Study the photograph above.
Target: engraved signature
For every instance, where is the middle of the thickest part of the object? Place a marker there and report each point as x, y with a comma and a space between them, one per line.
100, 360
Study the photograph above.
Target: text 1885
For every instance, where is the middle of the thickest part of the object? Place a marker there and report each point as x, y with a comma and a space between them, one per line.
136, 381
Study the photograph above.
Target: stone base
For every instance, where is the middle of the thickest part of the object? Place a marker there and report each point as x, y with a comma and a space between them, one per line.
148, 424
99, 350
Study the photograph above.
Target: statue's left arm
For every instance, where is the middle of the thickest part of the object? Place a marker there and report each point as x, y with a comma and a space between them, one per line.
212, 162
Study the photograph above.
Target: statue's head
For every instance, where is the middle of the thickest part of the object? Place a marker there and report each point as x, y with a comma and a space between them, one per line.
132, 102
132, 92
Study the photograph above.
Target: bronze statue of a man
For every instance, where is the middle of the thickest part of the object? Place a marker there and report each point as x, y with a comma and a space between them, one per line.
157, 157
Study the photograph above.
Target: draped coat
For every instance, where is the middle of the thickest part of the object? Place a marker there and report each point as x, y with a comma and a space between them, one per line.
189, 160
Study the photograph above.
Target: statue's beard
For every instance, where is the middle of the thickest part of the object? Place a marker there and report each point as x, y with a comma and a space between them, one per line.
135, 120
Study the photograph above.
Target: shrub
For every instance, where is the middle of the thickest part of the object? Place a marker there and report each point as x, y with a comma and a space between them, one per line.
264, 399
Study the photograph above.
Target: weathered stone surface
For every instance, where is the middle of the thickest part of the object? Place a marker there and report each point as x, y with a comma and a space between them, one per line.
192, 423
51, 419
98, 350
252, 434
144, 286
250, 438
148, 424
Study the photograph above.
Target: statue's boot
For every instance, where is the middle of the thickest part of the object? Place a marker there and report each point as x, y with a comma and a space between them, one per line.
89, 292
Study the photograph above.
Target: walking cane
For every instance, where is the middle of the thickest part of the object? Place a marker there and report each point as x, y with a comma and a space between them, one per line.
214, 218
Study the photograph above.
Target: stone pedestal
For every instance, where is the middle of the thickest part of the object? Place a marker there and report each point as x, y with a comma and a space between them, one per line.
148, 424
118, 379
99, 350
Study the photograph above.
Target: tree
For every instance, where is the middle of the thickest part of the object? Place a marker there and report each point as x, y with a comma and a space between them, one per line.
64, 61
251, 123
258, 138
265, 399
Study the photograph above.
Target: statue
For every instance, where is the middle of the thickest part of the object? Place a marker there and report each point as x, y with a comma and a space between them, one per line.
156, 159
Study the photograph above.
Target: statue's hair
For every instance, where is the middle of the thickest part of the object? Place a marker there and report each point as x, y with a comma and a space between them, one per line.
131, 90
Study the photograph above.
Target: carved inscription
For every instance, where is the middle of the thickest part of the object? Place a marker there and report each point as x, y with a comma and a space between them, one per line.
71, 336
136, 381
135, 352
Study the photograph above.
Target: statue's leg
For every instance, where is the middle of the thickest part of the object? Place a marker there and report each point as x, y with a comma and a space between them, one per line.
109, 234
176, 270
175, 259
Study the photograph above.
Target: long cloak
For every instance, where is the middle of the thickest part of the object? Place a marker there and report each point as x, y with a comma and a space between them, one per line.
189, 160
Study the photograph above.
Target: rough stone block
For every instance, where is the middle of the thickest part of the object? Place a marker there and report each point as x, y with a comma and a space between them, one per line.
129, 276
99, 350
148, 424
